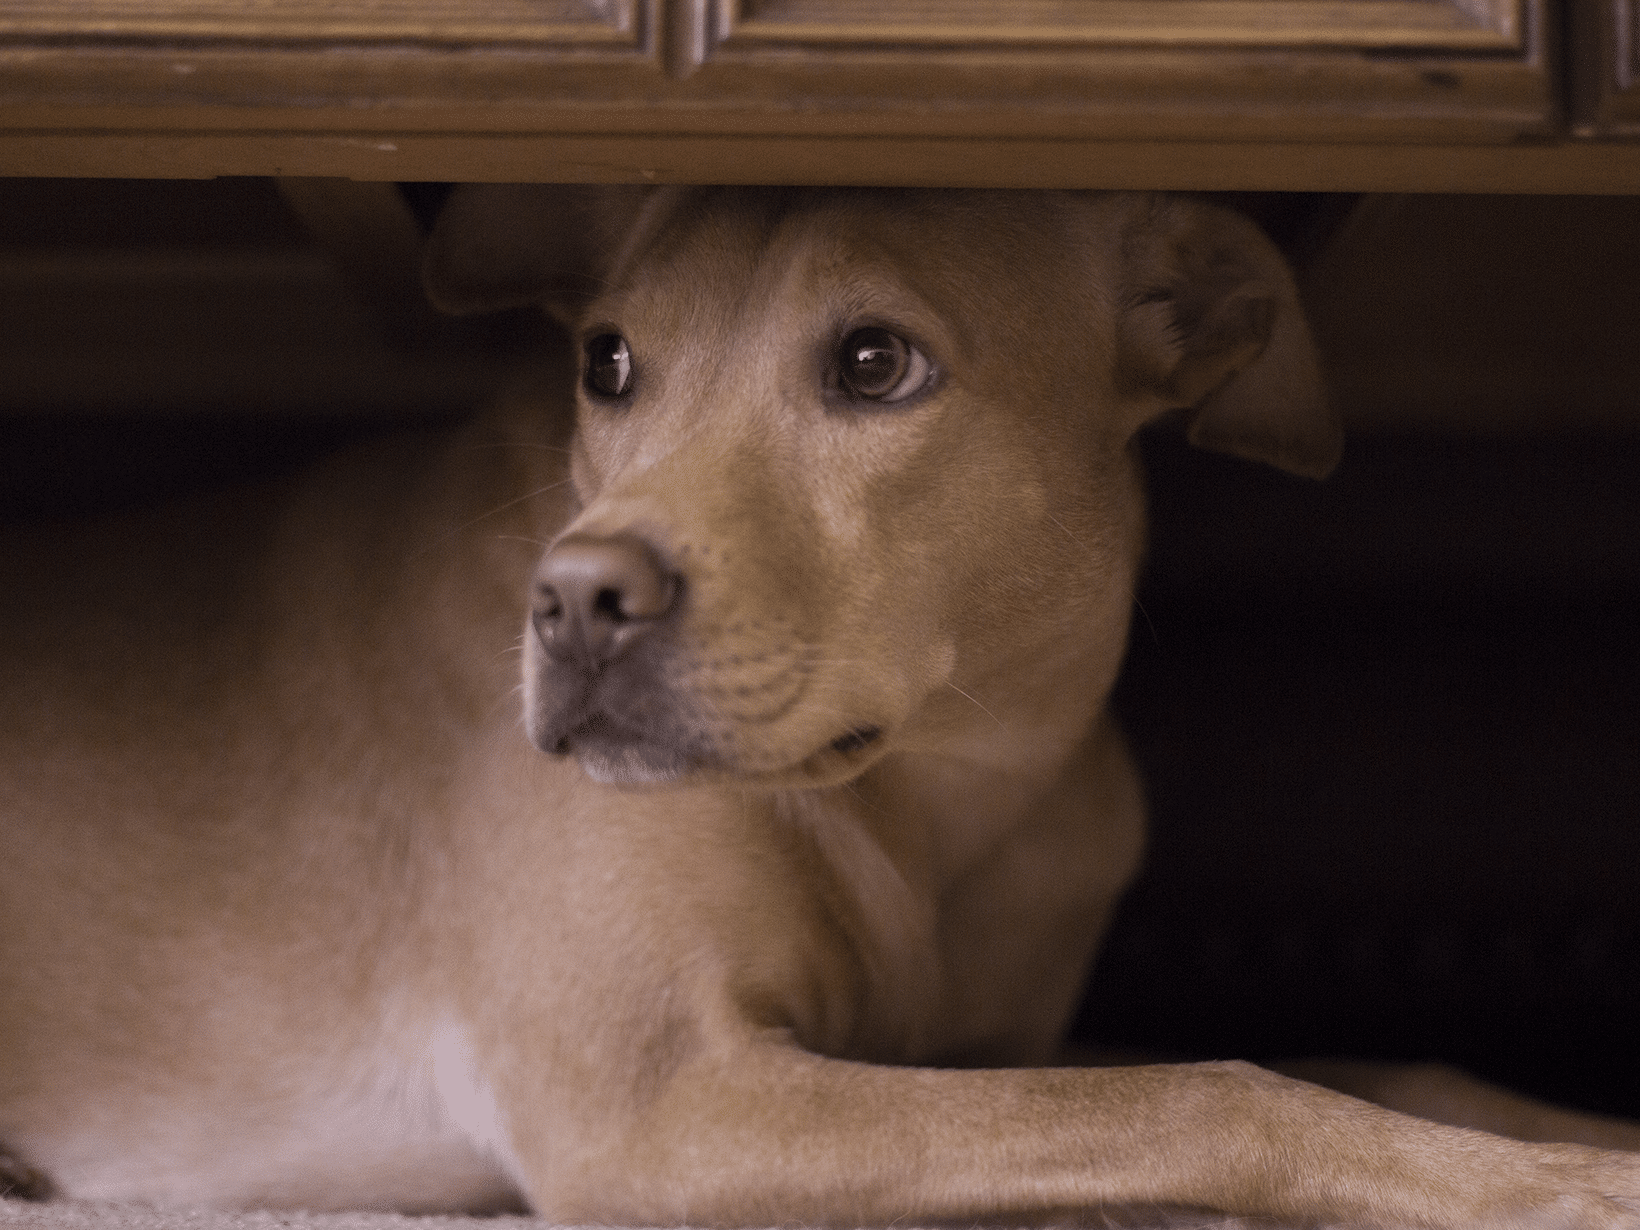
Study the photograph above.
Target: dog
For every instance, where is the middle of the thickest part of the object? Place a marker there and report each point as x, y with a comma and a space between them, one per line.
778, 905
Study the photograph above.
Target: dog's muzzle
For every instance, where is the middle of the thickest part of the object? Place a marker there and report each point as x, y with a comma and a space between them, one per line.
603, 610
619, 688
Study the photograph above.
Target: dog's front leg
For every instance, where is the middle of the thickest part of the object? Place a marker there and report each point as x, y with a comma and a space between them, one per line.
767, 1133
1446, 1095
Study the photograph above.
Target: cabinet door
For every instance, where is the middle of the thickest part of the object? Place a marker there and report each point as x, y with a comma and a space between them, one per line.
363, 64
1206, 70
1606, 85
1228, 70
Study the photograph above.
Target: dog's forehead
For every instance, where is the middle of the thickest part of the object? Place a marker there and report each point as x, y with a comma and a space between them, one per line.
748, 246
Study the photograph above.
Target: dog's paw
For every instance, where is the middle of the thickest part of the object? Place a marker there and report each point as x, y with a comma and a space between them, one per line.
20, 1182
1438, 1178
1576, 1187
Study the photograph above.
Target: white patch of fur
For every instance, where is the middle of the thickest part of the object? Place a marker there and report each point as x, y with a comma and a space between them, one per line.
419, 1134
467, 1099
416, 1134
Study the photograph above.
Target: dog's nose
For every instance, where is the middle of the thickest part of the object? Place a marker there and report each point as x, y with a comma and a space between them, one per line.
595, 596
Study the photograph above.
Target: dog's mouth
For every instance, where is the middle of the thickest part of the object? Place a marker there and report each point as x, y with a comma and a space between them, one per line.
856, 740
617, 754
620, 755
844, 757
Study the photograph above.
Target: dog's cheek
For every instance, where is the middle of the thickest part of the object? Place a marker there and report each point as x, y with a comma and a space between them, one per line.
895, 568
582, 476
615, 440
1033, 540
589, 461
965, 517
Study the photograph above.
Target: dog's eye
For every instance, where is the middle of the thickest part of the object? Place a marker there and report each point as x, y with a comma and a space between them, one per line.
877, 365
609, 366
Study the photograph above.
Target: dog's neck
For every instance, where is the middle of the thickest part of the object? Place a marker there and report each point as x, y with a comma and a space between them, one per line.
936, 854
938, 814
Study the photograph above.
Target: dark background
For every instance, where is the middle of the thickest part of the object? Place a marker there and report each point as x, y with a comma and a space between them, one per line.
1390, 731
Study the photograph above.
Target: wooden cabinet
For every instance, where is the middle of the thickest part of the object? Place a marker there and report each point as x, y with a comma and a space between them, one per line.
1165, 93
1606, 68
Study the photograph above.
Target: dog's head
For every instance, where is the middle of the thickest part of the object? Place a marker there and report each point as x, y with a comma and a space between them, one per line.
854, 467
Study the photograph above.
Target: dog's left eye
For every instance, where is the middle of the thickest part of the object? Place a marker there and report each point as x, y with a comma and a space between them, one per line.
876, 365
608, 366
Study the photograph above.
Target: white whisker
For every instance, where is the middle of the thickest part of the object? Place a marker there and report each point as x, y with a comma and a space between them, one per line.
1133, 594
485, 516
981, 707
522, 444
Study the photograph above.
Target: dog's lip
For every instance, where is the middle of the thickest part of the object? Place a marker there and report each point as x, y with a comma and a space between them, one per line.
843, 758
596, 726
857, 739
610, 749
622, 755
600, 729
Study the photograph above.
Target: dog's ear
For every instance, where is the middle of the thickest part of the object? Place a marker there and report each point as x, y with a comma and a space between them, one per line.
505, 245
1213, 325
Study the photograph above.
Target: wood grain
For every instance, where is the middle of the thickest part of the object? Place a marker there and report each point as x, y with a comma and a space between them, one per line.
1569, 167
1606, 68
1470, 25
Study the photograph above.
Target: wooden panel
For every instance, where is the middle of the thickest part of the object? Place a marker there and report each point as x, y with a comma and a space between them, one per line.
1576, 167
1423, 70
1444, 25
1606, 47
590, 22
300, 64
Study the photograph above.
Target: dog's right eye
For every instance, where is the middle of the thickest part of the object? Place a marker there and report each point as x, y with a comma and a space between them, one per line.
608, 366
876, 365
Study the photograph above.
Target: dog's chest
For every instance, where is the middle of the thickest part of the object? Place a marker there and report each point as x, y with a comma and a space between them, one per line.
419, 1134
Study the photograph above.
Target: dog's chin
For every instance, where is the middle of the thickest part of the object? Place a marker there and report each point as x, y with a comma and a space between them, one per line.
631, 765
619, 757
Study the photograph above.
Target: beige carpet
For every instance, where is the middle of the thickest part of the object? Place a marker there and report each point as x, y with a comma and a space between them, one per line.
78, 1215
81, 1215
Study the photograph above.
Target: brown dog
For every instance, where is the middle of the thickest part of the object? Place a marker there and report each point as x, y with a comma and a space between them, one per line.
824, 811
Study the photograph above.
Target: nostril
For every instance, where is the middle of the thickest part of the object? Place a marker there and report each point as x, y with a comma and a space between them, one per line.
636, 587
608, 604
547, 604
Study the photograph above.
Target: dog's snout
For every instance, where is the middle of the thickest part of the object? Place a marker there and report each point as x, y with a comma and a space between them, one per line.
594, 596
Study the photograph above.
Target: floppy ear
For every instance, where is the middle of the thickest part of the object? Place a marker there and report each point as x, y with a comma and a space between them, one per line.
505, 245
1213, 325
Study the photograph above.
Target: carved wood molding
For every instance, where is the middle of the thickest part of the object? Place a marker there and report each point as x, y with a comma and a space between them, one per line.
591, 23
1430, 25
